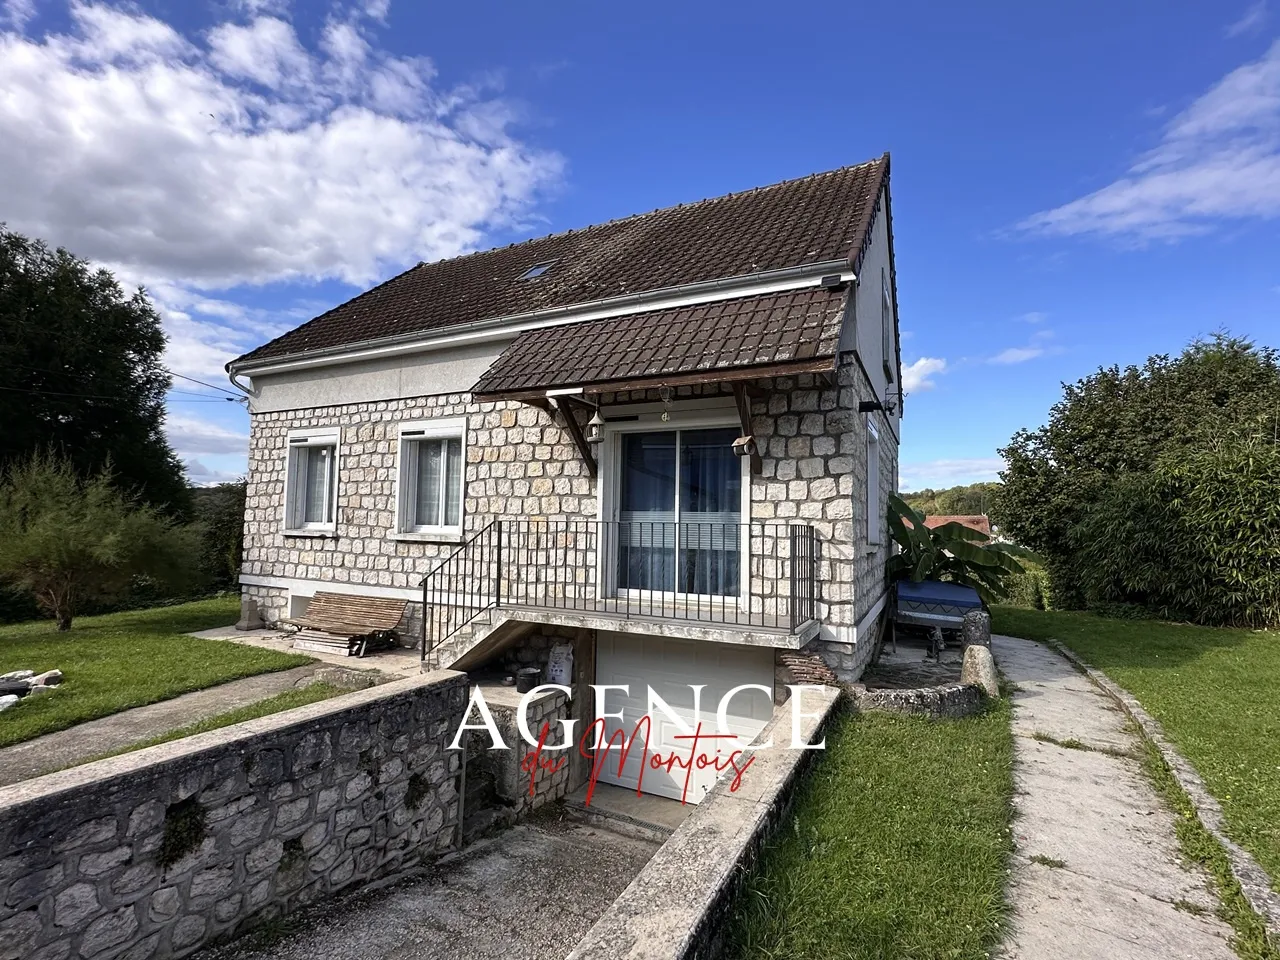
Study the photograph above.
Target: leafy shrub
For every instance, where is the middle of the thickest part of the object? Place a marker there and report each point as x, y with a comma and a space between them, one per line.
1115, 425
70, 541
1029, 589
1197, 538
220, 513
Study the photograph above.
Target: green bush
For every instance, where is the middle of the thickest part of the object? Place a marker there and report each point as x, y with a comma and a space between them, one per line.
72, 542
1197, 538
1029, 589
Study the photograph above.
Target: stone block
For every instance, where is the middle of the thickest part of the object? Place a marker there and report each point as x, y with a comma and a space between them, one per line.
264, 855
18, 934
979, 669
165, 903
34, 885
108, 931
188, 931
292, 812
96, 864
76, 903
209, 883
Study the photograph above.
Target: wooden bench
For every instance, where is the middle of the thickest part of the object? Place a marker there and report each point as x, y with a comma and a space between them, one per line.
340, 623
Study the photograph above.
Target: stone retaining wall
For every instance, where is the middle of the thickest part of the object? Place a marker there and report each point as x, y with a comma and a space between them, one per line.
156, 853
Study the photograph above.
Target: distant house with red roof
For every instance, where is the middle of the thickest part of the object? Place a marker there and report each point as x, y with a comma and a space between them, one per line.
978, 521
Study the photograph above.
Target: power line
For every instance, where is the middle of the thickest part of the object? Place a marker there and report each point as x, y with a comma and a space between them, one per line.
211, 386
102, 396
181, 376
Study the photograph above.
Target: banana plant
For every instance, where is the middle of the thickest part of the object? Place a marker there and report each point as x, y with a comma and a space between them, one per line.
950, 552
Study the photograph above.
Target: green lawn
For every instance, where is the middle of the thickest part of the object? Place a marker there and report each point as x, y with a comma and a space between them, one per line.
897, 849
1215, 691
122, 660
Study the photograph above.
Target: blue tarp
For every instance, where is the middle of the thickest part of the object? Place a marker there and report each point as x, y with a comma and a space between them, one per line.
934, 591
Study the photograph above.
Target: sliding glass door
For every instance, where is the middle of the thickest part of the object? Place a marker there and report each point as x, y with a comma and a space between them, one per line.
680, 510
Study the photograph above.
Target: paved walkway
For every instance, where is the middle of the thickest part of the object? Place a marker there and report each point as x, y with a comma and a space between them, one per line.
395, 663
1121, 891
528, 894
54, 751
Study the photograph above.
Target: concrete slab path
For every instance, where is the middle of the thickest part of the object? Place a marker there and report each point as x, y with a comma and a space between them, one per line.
528, 894
1121, 892
83, 742
395, 663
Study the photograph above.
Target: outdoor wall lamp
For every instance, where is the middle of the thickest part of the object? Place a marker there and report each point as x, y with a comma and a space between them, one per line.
594, 425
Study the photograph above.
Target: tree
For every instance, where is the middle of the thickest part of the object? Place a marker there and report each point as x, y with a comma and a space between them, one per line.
70, 541
82, 372
1195, 538
219, 511
951, 552
1118, 422
967, 500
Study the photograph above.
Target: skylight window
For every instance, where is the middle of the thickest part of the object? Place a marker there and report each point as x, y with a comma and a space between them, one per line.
537, 270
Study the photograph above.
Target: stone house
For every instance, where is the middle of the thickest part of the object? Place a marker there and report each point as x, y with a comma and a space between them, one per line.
664, 442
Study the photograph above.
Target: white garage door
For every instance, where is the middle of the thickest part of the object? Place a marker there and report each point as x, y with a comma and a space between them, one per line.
669, 667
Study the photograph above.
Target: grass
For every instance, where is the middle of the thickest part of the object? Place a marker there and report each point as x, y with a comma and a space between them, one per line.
897, 847
311, 693
1052, 862
121, 660
1213, 690
1199, 845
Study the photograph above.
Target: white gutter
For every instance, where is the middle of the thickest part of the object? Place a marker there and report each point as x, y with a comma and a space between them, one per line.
499, 328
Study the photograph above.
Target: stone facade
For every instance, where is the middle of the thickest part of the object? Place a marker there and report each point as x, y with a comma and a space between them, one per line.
156, 853
521, 463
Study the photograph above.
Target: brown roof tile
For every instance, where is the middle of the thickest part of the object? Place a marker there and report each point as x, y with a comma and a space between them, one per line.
823, 217
978, 521
778, 328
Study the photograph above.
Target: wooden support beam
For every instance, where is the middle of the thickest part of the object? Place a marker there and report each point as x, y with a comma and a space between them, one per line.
744, 415
575, 431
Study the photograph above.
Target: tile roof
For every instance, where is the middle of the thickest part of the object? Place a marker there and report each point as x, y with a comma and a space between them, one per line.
978, 521
819, 218
777, 328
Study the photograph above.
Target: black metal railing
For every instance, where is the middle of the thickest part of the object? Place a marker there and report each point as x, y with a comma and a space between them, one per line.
761, 575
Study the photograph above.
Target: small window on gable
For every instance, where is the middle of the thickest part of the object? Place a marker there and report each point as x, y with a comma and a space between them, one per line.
432, 465
888, 348
311, 483
537, 270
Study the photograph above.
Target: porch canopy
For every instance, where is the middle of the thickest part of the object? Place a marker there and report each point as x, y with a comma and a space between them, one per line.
775, 334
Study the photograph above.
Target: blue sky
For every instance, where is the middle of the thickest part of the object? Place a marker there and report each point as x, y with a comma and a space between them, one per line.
1073, 187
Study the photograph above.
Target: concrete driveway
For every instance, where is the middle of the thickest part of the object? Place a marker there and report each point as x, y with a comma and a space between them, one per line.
529, 893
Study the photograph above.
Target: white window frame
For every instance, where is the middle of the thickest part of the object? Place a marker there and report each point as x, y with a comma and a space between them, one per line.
293, 502
874, 507
887, 347
408, 434
648, 418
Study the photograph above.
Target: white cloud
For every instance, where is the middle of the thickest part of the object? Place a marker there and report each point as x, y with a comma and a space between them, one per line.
1250, 20
1017, 355
916, 376
16, 13
195, 165
249, 159
192, 437
1034, 317
948, 473
201, 475
1219, 159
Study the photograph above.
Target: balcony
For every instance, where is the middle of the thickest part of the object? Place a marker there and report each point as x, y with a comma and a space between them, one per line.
733, 582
